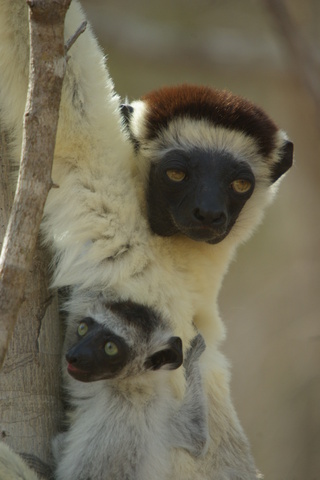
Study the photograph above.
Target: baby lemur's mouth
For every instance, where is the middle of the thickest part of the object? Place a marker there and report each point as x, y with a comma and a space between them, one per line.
78, 374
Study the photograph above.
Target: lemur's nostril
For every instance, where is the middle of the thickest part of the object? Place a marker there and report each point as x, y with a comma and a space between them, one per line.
209, 217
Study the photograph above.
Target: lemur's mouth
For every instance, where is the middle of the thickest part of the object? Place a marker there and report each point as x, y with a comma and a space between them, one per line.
78, 374
72, 368
206, 233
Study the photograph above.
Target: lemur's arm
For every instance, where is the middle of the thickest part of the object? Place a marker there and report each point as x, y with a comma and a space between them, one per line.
190, 424
88, 98
85, 220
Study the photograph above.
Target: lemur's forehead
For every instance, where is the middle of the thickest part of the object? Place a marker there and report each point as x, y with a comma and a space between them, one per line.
198, 134
125, 316
189, 133
136, 315
218, 108
195, 135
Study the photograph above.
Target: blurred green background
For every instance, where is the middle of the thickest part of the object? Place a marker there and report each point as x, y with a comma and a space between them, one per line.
271, 296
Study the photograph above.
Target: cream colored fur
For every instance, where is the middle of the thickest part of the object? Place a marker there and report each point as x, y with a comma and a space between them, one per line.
12, 467
96, 225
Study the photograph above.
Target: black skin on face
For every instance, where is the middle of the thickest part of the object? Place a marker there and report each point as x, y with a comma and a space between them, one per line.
193, 193
99, 354
88, 360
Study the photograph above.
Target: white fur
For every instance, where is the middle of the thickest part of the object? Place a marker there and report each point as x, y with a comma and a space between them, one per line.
96, 224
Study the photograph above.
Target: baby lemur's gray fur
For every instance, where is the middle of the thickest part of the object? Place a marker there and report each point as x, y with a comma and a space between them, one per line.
124, 418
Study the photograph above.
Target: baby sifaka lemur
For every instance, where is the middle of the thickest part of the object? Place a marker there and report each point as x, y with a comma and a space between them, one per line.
125, 421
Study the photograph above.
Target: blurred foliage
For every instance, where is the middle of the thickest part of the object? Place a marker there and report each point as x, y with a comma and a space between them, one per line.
271, 297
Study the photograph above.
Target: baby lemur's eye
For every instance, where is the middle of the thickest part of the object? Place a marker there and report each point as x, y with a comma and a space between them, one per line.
111, 349
82, 329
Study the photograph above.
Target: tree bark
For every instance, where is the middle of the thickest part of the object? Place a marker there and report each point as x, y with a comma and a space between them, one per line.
30, 409
29, 381
46, 73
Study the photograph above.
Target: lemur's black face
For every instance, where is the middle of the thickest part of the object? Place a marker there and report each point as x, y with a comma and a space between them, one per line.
199, 194
98, 353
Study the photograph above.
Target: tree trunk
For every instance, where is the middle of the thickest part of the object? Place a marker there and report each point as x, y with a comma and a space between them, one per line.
30, 409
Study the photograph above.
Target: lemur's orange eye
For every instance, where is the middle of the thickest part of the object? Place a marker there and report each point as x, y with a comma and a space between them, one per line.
241, 185
176, 175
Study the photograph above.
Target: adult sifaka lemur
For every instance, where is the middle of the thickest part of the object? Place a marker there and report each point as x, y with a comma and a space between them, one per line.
152, 209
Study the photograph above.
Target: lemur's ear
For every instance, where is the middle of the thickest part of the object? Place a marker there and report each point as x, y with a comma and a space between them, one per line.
285, 161
169, 358
126, 112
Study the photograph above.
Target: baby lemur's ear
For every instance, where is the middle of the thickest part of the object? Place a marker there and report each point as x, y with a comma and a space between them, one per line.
170, 357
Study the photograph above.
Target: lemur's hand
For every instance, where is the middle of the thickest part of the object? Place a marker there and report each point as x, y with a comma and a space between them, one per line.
197, 347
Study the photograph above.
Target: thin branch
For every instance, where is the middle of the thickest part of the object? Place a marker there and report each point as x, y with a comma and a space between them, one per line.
46, 73
303, 59
75, 36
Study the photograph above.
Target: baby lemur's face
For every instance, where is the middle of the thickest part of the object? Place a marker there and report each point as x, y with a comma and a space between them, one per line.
121, 347
98, 354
